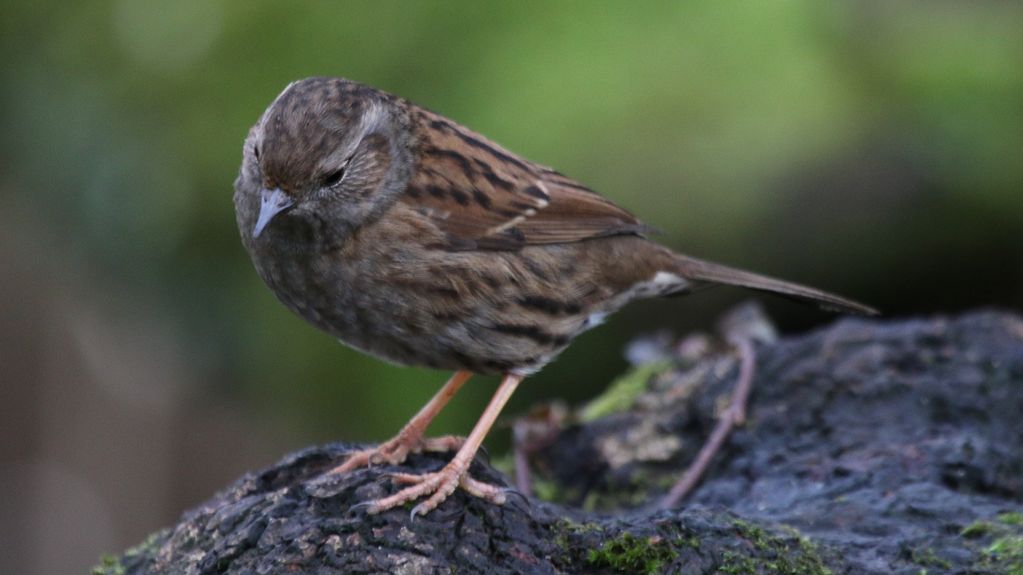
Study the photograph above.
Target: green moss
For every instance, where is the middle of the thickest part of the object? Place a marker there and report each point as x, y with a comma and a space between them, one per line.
564, 533
733, 563
1011, 518
108, 565
621, 553
622, 392
630, 554
1002, 552
561, 540
755, 534
565, 529
927, 557
977, 529
113, 565
571, 527
1005, 555
790, 554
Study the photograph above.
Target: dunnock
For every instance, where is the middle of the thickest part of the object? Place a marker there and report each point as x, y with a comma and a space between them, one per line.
416, 240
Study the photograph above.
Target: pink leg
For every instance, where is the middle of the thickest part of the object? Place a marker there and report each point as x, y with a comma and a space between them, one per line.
410, 438
440, 484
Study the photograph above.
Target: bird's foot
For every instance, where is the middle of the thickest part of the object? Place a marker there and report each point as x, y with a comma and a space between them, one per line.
438, 485
396, 450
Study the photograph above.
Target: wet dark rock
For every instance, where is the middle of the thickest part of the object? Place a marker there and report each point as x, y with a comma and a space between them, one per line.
870, 447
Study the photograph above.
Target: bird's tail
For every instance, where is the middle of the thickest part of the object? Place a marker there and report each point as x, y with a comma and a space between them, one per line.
701, 271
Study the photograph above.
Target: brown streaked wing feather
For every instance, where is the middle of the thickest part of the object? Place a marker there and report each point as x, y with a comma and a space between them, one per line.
484, 197
576, 213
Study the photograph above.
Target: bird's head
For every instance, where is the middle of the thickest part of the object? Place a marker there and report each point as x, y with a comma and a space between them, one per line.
327, 149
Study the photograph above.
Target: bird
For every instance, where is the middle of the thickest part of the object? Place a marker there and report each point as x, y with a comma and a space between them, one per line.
418, 241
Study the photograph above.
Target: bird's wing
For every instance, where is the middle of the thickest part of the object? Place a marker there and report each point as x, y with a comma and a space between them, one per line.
482, 196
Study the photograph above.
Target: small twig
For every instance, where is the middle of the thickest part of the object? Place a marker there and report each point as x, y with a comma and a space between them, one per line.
531, 433
733, 416
523, 477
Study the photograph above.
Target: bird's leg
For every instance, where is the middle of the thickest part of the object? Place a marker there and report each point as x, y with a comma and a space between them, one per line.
440, 484
410, 438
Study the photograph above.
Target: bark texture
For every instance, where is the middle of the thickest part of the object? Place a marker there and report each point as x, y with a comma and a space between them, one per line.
870, 447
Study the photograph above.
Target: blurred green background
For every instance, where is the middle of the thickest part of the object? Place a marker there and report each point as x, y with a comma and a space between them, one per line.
872, 148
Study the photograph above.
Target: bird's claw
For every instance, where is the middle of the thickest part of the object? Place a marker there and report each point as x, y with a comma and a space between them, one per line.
436, 486
368, 505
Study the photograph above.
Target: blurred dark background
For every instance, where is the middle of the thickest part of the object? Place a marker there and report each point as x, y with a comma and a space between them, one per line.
872, 148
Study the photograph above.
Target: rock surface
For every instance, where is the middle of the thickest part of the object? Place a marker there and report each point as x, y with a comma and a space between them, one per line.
870, 447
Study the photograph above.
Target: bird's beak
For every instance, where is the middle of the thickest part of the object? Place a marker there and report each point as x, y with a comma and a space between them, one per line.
274, 202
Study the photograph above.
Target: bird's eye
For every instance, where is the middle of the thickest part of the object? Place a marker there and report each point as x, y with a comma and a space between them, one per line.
332, 178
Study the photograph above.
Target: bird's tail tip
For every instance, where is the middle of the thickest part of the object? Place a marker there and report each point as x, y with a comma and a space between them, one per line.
695, 269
